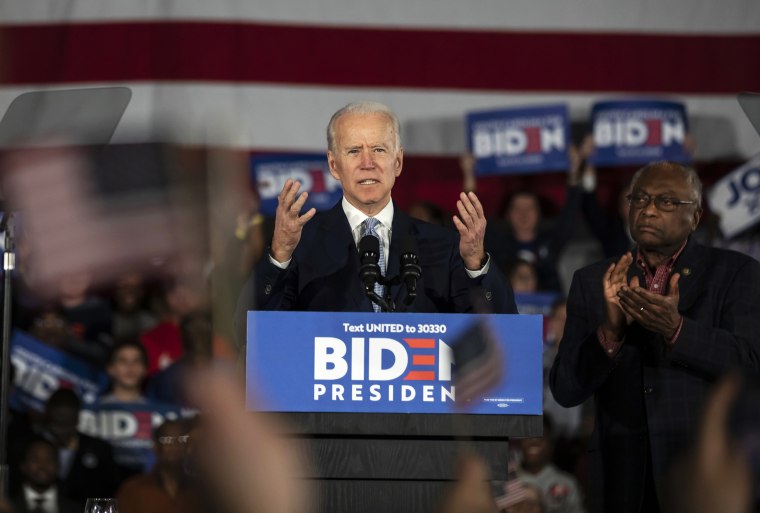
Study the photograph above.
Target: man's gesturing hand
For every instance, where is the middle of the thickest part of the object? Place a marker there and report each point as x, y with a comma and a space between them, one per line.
613, 280
288, 222
654, 312
471, 224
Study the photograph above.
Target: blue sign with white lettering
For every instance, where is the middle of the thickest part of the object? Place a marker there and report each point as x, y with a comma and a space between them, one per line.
128, 427
636, 132
390, 362
520, 140
270, 172
736, 198
535, 303
41, 369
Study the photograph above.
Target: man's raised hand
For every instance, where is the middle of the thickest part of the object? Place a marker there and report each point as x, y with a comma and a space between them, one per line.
288, 221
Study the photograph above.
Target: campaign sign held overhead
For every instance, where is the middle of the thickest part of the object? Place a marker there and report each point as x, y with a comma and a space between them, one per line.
128, 427
519, 140
41, 369
270, 172
635, 132
736, 198
535, 303
385, 363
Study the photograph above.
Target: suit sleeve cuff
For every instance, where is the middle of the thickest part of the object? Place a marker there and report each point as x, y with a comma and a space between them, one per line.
671, 341
281, 265
480, 272
611, 347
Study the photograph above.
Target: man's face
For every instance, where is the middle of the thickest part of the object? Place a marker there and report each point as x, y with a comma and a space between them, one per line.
523, 278
171, 446
653, 229
40, 466
365, 160
523, 213
61, 422
128, 368
129, 292
536, 451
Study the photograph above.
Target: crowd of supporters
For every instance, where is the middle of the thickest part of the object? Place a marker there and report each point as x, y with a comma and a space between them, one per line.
146, 334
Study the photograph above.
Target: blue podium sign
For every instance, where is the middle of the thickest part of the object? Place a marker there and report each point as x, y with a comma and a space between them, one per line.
519, 140
384, 363
635, 132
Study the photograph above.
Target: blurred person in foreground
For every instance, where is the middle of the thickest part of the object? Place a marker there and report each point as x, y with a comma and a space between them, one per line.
648, 333
39, 473
164, 489
313, 262
716, 475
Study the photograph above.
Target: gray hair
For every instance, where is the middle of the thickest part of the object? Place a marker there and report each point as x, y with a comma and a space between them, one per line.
688, 173
364, 107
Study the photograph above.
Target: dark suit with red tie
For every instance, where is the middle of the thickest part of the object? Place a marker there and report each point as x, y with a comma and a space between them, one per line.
650, 396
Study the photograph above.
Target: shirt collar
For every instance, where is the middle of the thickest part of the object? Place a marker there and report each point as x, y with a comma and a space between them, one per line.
50, 496
356, 217
670, 263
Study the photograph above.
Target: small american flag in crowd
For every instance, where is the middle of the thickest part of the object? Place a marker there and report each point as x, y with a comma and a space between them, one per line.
515, 490
479, 364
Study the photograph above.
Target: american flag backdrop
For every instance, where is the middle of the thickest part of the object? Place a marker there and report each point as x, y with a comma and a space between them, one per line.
267, 74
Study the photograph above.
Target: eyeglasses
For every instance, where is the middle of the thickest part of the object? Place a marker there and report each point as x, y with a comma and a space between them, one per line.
171, 440
663, 203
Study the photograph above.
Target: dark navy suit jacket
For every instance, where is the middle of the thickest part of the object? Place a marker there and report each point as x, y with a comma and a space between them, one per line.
649, 397
324, 273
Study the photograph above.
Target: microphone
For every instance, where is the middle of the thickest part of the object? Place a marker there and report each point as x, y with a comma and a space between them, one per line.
410, 268
369, 272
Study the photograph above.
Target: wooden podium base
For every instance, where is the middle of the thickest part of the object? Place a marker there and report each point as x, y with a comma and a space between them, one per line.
398, 463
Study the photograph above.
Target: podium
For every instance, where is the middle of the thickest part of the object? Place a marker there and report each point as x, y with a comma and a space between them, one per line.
394, 447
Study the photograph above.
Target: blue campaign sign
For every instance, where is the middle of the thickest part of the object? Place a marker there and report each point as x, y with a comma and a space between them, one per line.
270, 172
128, 427
736, 198
41, 369
519, 140
384, 363
633, 132
535, 303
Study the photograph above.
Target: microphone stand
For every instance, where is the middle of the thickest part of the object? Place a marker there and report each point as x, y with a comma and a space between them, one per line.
370, 273
8, 265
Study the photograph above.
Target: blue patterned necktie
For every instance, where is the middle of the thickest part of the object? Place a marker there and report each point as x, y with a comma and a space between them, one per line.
368, 228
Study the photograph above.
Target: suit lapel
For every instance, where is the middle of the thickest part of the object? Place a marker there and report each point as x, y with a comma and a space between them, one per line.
339, 250
691, 266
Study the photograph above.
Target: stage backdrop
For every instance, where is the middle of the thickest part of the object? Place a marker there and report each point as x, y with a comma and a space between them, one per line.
267, 75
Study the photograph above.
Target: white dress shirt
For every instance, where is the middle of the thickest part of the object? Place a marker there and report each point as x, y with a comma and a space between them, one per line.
49, 499
383, 229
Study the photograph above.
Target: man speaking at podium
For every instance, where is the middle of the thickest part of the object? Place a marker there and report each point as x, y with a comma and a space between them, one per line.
315, 260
